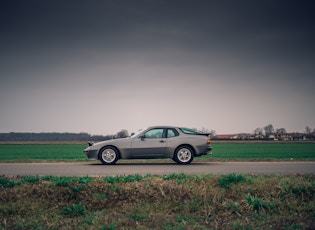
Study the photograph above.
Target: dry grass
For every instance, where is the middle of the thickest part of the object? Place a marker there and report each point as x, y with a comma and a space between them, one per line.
175, 201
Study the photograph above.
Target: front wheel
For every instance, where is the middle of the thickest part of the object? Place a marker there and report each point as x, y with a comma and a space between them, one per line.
108, 155
183, 155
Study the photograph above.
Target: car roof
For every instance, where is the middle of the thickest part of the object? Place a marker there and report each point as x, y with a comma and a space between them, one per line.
162, 126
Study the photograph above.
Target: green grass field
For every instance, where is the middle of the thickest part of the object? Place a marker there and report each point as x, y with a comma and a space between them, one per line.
264, 151
221, 151
42, 152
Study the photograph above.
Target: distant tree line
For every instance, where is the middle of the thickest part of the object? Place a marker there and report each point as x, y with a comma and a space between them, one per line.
270, 130
267, 132
12, 136
270, 133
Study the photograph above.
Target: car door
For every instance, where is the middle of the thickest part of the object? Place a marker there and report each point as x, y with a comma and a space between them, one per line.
151, 144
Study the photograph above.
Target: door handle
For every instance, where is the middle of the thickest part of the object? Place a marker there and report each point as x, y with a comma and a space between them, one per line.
162, 141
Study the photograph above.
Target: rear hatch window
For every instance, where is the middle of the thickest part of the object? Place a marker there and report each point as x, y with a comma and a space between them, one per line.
190, 131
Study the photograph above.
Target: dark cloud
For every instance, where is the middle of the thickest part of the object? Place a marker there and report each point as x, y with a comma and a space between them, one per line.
244, 49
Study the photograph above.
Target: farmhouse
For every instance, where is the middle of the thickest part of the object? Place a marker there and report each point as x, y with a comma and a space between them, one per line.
226, 136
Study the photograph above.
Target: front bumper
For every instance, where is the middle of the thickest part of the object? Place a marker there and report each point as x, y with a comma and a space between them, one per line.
91, 154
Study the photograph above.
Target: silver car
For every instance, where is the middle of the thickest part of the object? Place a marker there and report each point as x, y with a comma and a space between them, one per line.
179, 144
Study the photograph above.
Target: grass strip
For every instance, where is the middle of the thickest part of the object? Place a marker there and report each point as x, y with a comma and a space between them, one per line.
174, 201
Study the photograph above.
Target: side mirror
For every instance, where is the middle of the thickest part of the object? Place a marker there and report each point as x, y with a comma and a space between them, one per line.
142, 137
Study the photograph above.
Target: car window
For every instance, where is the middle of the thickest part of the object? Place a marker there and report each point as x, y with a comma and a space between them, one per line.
154, 133
171, 133
189, 131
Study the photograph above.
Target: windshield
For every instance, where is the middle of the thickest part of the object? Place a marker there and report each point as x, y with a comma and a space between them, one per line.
137, 133
189, 131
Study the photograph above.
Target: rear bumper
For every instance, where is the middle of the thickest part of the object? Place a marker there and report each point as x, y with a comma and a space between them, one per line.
204, 150
209, 151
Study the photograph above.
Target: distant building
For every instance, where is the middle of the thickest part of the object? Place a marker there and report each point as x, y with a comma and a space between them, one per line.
226, 137
272, 136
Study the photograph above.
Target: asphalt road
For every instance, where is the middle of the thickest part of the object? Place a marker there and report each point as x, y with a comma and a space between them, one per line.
131, 168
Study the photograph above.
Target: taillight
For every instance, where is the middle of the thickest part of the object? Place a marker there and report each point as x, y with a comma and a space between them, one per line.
208, 142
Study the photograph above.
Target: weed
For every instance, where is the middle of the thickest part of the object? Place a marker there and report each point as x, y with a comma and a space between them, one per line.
77, 189
179, 178
140, 216
181, 219
7, 183
123, 179
305, 190
112, 180
109, 227
85, 180
227, 180
63, 181
48, 178
31, 179
74, 210
136, 177
259, 204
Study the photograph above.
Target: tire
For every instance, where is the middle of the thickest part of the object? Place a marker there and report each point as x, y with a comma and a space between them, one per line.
183, 155
108, 155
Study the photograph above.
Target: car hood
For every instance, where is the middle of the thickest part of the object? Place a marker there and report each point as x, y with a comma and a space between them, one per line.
107, 142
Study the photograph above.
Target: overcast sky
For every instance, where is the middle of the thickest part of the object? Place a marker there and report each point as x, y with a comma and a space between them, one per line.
102, 66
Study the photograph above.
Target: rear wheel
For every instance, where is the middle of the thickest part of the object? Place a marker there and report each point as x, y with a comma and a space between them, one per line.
108, 155
183, 155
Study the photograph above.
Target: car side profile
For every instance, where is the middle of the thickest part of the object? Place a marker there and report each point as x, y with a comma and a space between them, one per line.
179, 144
